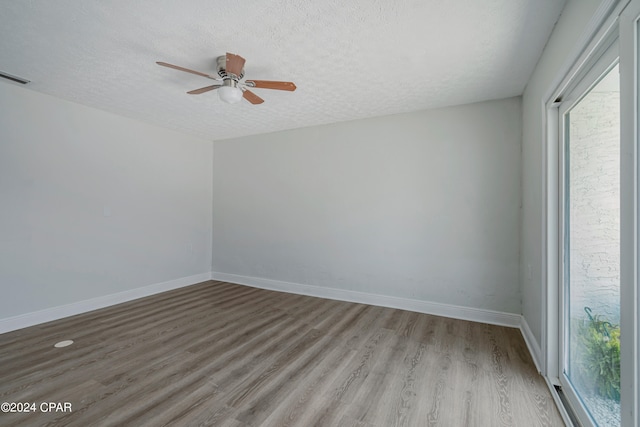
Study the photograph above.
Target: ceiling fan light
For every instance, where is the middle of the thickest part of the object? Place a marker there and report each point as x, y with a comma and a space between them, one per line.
230, 94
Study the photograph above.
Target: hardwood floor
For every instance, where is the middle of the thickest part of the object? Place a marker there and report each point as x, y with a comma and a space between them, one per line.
229, 355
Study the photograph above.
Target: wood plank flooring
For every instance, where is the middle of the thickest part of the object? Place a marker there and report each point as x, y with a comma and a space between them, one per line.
220, 354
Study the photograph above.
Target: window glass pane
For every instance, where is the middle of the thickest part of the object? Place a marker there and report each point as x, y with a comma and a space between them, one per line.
593, 248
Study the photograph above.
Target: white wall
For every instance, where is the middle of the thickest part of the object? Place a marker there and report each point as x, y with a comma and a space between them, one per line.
93, 204
594, 202
422, 206
569, 29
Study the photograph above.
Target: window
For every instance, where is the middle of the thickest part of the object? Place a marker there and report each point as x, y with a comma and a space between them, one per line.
590, 284
592, 215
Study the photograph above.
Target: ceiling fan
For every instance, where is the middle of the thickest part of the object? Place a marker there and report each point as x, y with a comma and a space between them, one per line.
230, 87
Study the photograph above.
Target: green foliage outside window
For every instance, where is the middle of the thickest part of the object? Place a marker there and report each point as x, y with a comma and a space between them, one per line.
598, 365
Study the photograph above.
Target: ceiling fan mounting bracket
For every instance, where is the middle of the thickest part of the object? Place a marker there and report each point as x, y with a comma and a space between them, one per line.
221, 66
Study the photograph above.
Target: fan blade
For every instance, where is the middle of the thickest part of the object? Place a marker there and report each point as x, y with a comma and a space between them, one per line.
203, 89
269, 84
197, 73
235, 63
252, 97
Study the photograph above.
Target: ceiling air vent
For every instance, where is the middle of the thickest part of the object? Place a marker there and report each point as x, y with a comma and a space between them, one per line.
13, 78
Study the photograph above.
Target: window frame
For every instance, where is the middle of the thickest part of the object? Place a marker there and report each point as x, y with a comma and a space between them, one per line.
605, 58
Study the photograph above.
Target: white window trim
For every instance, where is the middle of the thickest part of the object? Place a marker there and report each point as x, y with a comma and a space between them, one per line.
630, 209
603, 23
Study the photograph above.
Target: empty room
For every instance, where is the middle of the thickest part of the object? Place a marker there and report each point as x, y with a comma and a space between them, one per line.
418, 214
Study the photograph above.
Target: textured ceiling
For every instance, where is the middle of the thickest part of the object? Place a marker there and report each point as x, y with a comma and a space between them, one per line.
350, 59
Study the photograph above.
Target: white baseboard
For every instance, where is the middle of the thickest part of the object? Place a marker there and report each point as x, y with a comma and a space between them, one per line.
438, 309
532, 343
54, 313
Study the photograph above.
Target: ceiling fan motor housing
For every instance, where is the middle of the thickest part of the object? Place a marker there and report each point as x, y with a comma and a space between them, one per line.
221, 65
